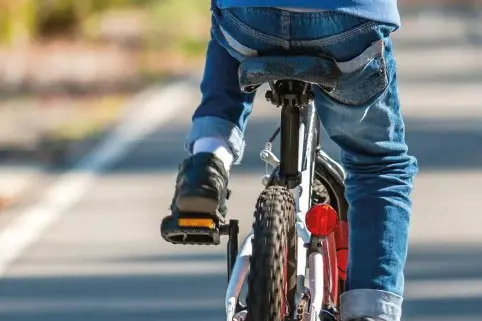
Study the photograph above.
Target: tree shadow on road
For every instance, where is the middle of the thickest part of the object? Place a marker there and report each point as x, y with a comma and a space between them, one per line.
201, 296
109, 298
438, 145
444, 263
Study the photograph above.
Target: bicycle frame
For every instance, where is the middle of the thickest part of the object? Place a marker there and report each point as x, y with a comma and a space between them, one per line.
300, 128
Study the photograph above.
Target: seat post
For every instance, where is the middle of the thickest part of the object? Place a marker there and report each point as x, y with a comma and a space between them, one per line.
291, 96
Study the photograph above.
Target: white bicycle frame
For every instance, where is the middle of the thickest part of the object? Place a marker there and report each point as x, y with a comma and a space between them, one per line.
311, 265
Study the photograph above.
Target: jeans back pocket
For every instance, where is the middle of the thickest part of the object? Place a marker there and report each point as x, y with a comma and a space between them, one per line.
362, 78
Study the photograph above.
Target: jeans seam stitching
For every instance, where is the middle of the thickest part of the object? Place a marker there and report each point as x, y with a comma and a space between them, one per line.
251, 32
339, 37
216, 34
235, 44
376, 90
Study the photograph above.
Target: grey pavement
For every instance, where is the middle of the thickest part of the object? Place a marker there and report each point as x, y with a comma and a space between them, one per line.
103, 259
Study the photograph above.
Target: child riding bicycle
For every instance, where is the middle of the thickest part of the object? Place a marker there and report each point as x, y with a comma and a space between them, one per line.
362, 115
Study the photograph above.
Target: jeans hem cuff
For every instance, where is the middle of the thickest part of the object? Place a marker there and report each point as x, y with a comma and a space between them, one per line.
377, 304
217, 127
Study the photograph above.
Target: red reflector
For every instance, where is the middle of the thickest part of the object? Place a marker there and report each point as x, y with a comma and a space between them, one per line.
321, 220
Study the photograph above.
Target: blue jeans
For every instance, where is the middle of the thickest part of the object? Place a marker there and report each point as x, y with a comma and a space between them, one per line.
362, 115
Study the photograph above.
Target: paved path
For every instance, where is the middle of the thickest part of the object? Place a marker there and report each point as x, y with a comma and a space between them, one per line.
102, 259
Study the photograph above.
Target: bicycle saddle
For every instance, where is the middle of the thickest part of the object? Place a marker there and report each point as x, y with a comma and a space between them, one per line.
318, 70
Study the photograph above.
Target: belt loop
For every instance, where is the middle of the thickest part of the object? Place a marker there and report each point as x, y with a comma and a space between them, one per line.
215, 8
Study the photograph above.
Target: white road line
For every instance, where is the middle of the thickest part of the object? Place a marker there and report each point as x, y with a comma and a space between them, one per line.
147, 112
84, 305
164, 268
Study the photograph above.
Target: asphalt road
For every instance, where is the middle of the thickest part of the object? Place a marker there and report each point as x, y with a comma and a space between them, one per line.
103, 259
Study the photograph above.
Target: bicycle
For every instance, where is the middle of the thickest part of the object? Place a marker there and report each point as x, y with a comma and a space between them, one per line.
297, 251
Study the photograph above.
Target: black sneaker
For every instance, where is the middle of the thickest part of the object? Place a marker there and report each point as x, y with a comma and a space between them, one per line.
202, 186
199, 199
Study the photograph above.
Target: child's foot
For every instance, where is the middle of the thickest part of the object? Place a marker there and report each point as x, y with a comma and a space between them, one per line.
200, 197
201, 185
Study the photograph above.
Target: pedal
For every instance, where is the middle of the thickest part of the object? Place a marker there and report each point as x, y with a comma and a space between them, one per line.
191, 229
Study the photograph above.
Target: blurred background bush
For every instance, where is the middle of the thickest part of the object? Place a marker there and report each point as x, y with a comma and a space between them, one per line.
26, 21
75, 62
147, 29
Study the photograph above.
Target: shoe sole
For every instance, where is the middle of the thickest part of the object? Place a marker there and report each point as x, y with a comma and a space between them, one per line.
196, 204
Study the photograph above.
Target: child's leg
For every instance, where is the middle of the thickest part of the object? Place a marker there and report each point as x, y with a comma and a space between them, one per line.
379, 181
215, 141
224, 109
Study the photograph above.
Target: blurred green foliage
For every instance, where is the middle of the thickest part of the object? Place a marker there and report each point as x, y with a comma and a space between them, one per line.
180, 25
17, 20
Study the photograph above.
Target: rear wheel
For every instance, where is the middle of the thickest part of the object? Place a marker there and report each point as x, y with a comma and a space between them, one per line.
272, 277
